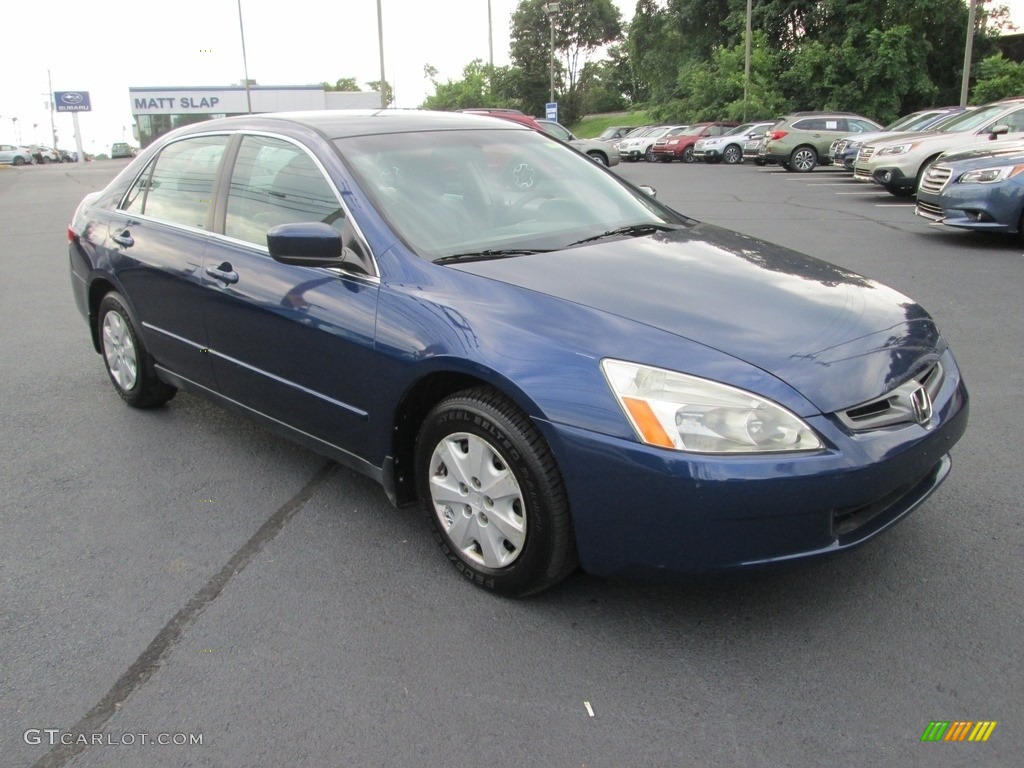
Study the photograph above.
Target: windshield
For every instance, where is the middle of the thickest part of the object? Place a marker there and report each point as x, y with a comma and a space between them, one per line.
970, 120
496, 191
739, 129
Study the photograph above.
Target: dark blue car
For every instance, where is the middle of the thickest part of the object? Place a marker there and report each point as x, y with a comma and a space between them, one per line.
556, 367
980, 190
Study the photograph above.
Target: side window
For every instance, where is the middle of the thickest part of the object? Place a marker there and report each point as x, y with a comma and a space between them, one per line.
177, 186
275, 182
1015, 120
557, 131
810, 124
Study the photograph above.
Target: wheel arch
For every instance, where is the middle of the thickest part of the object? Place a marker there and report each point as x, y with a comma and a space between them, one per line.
97, 290
598, 155
417, 401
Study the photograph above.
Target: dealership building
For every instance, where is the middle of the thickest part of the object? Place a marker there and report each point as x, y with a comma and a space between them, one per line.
159, 110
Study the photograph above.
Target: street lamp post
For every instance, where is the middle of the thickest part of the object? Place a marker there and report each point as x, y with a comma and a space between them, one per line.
551, 9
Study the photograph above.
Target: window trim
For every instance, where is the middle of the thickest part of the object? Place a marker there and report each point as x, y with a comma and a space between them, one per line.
222, 182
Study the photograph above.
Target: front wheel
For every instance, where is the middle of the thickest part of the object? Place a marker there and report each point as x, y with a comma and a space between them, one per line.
489, 485
128, 363
649, 154
732, 155
803, 159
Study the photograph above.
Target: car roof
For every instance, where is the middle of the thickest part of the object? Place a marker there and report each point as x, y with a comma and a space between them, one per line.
343, 123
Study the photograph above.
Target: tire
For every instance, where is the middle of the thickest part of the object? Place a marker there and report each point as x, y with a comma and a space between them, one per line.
128, 364
469, 445
688, 155
598, 158
18, 160
787, 166
732, 155
649, 154
804, 159
902, 191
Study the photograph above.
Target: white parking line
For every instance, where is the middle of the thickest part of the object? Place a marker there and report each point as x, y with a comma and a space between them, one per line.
872, 193
895, 205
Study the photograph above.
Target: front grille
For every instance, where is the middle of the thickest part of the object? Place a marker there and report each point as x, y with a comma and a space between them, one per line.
929, 211
909, 403
838, 147
847, 520
866, 153
935, 178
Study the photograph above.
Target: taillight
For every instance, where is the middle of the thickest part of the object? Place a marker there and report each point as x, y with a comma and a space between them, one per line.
776, 135
71, 235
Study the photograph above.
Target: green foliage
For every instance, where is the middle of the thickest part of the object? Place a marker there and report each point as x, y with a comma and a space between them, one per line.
481, 86
388, 92
593, 125
684, 59
581, 27
347, 84
998, 78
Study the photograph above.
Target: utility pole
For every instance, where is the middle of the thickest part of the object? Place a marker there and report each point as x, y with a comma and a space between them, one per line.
380, 45
968, 50
746, 62
245, 63
49, 101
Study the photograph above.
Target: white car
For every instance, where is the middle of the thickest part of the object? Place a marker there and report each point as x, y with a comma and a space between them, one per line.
729, 146
639, 147
11, 154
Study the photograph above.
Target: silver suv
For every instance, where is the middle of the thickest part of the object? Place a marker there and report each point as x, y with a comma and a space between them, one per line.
899, 163
729, 147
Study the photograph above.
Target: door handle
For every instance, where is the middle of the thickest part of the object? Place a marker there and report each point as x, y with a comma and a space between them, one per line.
224, 273
124, 237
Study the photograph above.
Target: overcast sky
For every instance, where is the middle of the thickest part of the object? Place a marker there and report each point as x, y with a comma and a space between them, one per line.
107, 46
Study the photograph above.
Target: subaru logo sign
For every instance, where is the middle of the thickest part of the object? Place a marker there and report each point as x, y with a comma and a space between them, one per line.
72, 101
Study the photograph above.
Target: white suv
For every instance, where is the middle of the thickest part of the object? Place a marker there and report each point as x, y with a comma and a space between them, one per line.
899, 163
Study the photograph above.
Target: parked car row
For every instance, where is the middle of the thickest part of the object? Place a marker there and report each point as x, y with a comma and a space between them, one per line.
597, 150
14, 154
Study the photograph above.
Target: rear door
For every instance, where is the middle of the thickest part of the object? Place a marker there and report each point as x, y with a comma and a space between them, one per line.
156, 239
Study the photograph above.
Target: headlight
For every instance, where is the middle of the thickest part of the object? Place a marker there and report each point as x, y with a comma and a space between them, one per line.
898, 149
673, 141
990, 175
687, 413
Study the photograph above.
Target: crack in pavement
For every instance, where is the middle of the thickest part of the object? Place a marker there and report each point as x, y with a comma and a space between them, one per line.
159, 649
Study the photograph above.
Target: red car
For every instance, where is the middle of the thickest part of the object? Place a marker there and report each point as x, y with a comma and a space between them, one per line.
679, 146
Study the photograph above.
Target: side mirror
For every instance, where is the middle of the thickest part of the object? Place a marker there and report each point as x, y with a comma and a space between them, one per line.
309, 244
998, 130
648, 190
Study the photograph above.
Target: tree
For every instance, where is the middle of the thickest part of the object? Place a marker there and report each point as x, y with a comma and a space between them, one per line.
581, 27
997, 78
389, 94
347, 84
481, 86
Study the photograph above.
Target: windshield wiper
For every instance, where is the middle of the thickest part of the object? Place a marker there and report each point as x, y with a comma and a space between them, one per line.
633, 230
491, 253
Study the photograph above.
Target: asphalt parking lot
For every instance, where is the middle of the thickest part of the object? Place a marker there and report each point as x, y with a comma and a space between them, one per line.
184, 574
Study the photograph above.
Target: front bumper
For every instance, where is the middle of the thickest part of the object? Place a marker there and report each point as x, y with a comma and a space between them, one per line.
642, 511
999, 209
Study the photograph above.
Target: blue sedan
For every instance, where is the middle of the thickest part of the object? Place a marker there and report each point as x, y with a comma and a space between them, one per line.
980, 190
558, 369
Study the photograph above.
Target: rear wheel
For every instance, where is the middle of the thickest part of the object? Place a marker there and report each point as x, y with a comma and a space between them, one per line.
489, 485
128, 363
18, 160
732, 155
803, 159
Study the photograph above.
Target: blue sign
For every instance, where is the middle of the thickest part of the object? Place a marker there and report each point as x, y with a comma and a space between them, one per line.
551, 110
72, 101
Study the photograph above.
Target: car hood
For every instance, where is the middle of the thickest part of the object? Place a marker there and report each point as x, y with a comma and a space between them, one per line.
980, 157
836, 337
